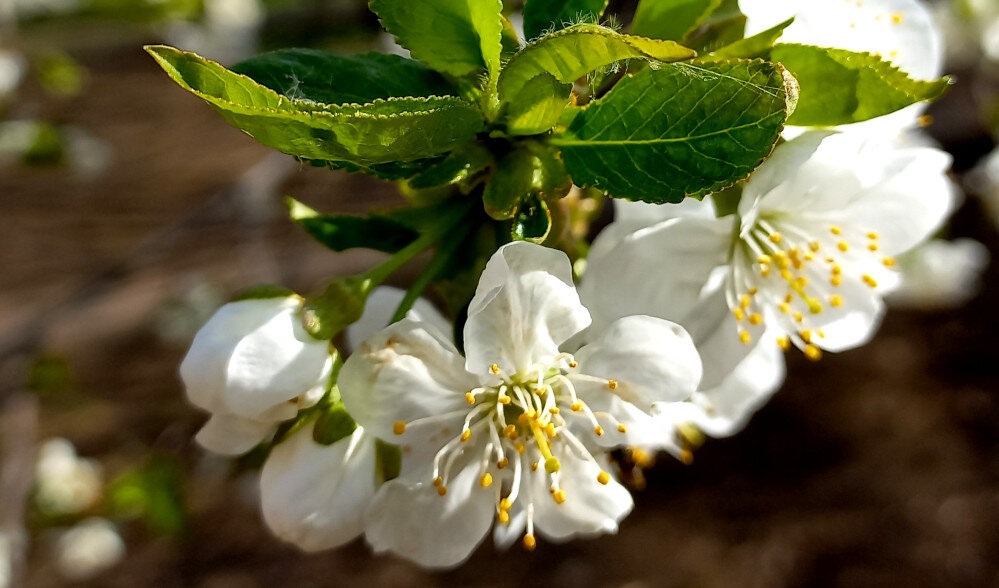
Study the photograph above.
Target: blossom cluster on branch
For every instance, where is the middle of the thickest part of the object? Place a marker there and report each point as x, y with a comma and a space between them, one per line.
766, 173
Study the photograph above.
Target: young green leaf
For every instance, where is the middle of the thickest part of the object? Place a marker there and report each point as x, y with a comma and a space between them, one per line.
757, 46
462, 163
840, 87
680, 130
323, 76
342, 232
456, 37
542, 16
670, 19
566, 56
396, 129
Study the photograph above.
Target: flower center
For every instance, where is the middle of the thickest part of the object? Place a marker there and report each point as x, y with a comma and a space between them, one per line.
519, 423
794, 275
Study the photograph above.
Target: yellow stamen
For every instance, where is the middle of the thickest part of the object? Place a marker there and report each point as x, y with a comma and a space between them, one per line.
775, 237
814, 246
622, 429
836, 300
469, 398
888, 261
504, 400
466, 435
559, 496
494, 368
755, 318
784, 343
530, 542
573, 364
843, 246
486, 480
612, 384
438, 481
813, 353
399, 427
603, 478
739, 314
836, 230
503, 463
871, 282
441, 490
520, 447
503, 517
745, 337
599, 431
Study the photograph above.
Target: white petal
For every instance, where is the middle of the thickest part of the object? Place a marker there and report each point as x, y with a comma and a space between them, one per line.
651, 359
715, 333
781, 179
380, 307
315, 496
251, 356
506, 535
403, 373
727, 407
650, 214
590, 507
659, 271
524, 308
431, 530
228, 434
642, 427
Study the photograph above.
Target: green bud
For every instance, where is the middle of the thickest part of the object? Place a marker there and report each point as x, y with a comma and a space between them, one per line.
512, 181
333, 424
532, 222
339, 306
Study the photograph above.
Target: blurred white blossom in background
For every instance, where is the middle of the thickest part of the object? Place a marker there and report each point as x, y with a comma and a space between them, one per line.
227, 33
88, 549
64, 482
940, 274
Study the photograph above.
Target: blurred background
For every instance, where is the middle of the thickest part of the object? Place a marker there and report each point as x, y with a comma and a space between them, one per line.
129, 211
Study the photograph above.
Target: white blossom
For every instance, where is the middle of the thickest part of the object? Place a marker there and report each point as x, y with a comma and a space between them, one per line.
514, 430
808, 255
89, 548
64, 482
252, 366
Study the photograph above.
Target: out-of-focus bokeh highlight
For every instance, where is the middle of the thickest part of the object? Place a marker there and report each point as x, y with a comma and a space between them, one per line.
129, 212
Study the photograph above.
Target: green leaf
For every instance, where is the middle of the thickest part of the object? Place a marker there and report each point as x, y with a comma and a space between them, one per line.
342, 232
323, 76
152, 493
393, 170
726, 25
263, 292
541, 16
509, 185
757, 46
456, 37
566, 56
840, 87
670, 19
395, 129
461, 164
681, 130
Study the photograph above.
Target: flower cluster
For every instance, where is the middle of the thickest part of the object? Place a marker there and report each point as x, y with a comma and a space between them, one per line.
432, 434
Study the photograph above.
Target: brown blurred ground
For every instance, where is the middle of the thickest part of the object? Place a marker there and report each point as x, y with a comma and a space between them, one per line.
873, 467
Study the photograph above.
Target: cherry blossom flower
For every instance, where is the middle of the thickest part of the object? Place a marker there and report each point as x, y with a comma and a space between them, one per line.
514, 430
252, 366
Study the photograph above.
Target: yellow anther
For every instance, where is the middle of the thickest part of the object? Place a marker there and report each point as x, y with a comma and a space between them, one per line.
788, 298
494, 368
752, 291
843, 246
466, 435
469, 397
755, 318
603, 478
534, 467
505, 504
598, 430
784, 343
509, 429
821, 334
814, 246
541, 390
801, 281
814, 306
503, 462
486, 480
744, 301
576, 406
836, 280
559, 496
896, 18
872, 236
503, 517
504, 400
813, 353
686, 456
530, 542
554, 410
836, 230
806, 335
745, 337
441, 490
798, 317
836, 270
739, 313
775, 237
784, 307
438, 481
888, 261
925, 120
520, 447
550, 430
871, 282
765, 271
622, 429
399, 427
809, 257
872, 246
763, 259
786, 275
573, 364
642, 458
612, 384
